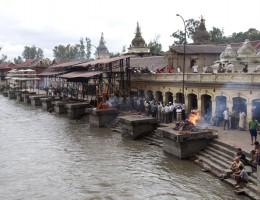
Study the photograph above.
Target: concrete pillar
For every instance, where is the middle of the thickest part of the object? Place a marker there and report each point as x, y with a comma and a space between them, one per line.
199, 104
163, 98
213, 107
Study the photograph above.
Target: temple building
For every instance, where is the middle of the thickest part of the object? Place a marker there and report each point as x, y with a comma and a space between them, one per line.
138, 45
210, 92
101, 51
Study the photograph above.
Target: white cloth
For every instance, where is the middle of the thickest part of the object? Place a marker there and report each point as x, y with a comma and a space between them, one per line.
195, 68
226, 115
242, 121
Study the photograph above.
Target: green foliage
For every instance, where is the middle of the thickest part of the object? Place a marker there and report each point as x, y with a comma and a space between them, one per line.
251, 34
3, 59
155, 46
216, 34
191, 27
32, 52
112, 55
88, 46
124, 49
78, 51
18, 60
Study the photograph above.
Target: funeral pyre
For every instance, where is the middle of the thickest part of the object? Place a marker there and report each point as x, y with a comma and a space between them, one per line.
189, 125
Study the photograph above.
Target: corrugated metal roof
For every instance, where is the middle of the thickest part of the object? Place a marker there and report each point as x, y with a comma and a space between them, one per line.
68, 64
80, 74
7, 66
104, 61
27, 63
50, 73
199, 49
152, 62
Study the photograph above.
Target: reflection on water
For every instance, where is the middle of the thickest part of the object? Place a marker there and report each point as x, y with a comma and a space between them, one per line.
47, 156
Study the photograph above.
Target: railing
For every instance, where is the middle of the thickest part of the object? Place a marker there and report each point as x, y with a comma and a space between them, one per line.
199, 78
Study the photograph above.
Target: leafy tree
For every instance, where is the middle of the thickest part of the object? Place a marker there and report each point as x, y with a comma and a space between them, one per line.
67, 52
3, 59
112, 55
82, 53
191, 27
124, 49
32, 52
155, 46
217, 35
18, 60
88, 47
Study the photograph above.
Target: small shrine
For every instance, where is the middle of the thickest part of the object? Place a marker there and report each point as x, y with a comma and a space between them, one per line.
138, 45
101, 51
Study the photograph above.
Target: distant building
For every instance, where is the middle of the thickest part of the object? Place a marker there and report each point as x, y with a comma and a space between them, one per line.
4, 68
101, 51
138, 45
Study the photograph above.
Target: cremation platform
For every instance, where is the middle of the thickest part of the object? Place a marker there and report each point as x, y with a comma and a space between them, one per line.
134, 126
185, 144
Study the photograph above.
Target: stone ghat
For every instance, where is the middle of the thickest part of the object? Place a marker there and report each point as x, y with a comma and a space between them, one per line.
135, 126
185, 146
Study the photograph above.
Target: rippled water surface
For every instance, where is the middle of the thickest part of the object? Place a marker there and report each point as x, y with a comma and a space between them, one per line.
47, 156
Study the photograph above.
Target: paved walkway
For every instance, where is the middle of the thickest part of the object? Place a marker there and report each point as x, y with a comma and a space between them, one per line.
235, 138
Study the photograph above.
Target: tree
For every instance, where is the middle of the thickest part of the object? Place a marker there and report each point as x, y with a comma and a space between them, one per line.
32, 52
155, 46
67, 52
88, 47
3, 58
124, 49
18, 60
82, 53
191, 27
217, 36
115, 54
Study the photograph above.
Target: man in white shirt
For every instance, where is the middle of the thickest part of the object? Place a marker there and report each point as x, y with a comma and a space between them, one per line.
195, 68
230, 67
226, 115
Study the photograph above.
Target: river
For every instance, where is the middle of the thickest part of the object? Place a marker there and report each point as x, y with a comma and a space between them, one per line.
45, 156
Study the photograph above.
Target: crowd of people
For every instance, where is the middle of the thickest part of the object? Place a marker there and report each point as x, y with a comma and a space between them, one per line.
229, 68
164, 113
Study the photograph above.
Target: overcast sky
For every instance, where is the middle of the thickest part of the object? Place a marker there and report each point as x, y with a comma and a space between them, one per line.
48, 23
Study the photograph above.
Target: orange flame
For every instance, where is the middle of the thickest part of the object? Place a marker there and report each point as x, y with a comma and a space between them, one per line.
194, 117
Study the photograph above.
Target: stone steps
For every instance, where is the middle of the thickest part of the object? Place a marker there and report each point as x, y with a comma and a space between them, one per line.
217, 158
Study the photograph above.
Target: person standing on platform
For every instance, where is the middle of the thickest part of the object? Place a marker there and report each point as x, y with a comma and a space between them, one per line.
226, 115
242, 120
195, 68
253, 125
179, 113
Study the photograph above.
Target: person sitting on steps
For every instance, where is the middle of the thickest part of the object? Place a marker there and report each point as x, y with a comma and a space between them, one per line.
242, 156
236, 164
241, 177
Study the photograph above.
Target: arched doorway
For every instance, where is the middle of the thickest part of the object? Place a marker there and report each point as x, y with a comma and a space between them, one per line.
221, 104
179, 97
192, 102
206, 104
149, 95
133, 92
168, 97
239, 104
158, 96
192, 62
256, 109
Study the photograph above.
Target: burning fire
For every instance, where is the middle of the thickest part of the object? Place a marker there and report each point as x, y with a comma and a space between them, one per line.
194, 117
